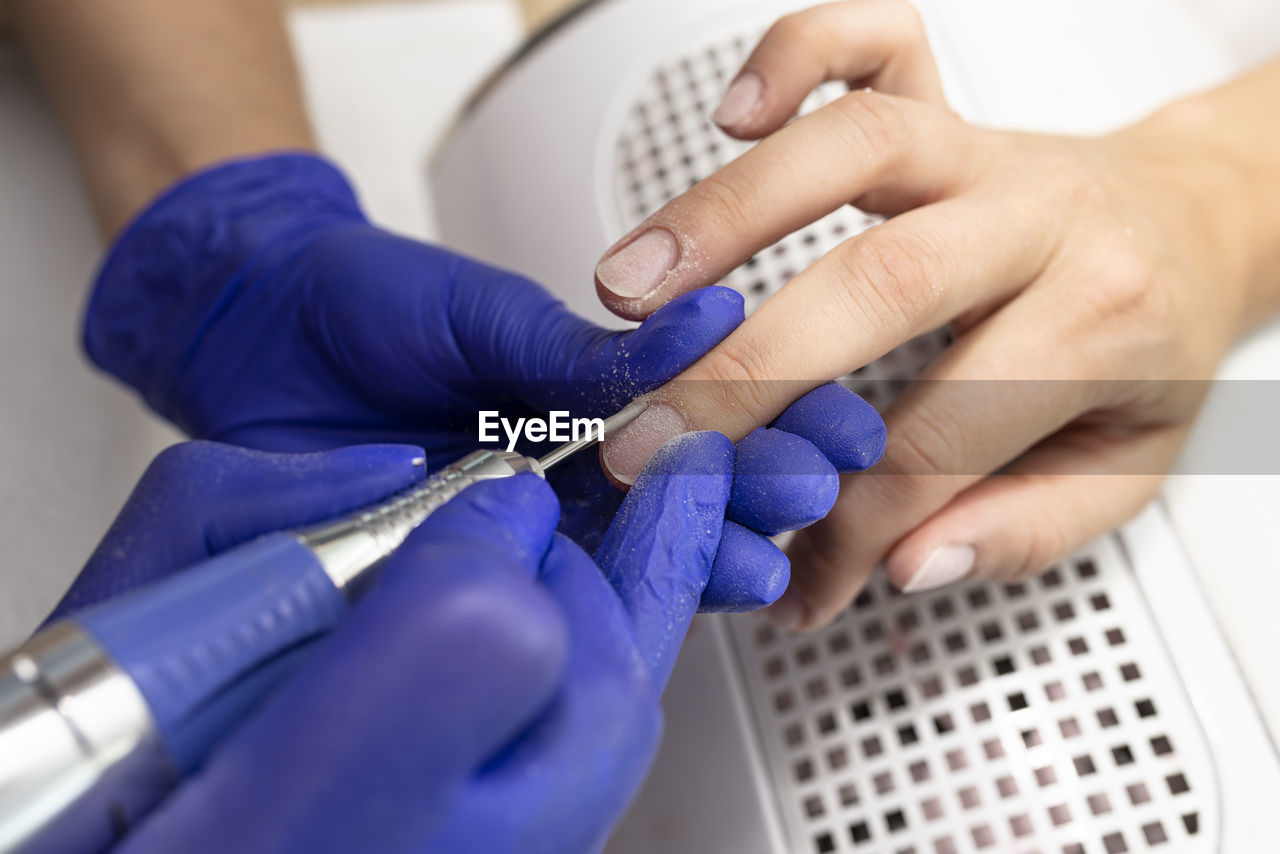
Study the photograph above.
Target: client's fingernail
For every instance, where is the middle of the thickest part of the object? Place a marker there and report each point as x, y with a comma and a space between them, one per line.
944, 565
638, 268
789, 612
741, 101
626, 453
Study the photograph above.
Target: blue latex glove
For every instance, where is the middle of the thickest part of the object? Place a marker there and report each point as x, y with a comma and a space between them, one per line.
497, 689
365, 746
253, 303
197, 499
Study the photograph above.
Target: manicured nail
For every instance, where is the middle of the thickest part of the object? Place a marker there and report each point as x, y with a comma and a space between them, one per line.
638, 268
944, 565
741, 101
626, 453
788, 613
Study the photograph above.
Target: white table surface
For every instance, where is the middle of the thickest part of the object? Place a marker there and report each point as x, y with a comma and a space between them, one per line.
382, 82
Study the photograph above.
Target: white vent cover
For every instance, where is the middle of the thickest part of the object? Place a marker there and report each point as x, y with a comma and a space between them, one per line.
1042, 717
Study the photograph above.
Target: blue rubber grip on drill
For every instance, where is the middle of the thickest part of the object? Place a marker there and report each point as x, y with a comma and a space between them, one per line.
205, 645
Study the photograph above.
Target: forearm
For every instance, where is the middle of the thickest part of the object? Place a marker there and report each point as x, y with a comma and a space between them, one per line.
1232, 133
151, 89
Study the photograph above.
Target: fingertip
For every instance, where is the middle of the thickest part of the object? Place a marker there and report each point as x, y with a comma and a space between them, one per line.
817, 564
687, 326
869, 447
703, 452
671, 339
749, 572
745, 134
915, 567
626, 454
847, 429
782, 482
628, 309
632, 272
790, 612
718, 306
741, 105
618, 482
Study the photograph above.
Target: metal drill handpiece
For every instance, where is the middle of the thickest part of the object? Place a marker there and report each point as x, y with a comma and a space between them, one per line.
351, 545
612, 424
101, 757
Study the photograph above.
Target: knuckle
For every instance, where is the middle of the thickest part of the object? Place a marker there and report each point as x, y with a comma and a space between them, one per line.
1125, 286
1082, 186
719, 205
929, 443
891, 275
903, 492
736, 371
870, 121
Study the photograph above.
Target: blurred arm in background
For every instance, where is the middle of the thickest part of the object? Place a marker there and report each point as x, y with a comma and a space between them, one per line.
146, 89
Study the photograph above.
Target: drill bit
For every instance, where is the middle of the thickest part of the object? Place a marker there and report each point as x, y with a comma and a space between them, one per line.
612, 424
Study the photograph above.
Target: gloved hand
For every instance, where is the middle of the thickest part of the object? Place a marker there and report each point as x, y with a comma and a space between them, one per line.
531, 728
370, 738
254, 304
197, 499
425, 722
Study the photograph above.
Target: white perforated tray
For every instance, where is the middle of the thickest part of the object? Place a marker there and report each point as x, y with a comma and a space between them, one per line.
1044, 716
